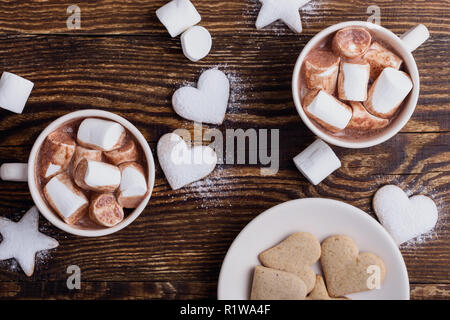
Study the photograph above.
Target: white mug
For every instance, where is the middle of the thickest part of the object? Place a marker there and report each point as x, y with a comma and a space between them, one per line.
41, 204
403, 46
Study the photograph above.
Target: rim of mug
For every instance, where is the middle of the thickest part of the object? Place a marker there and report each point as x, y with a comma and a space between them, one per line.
52, 217
395, 127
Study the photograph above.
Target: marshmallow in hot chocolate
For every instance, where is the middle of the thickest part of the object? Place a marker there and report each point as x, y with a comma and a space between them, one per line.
65, 198
363, 120
97, 176
328, 111
321, 70
83, 153
57, 152
128, 152
104, 210
100, 134
353, 81
388, 92
351, 42
380, 58
133, 187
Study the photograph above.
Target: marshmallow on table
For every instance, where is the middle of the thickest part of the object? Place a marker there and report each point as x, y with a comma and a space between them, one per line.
380, 58
105, 211
65, 198
317, 162
351, 42
133, 186
353, 81
177, 16
14, 92
328, 111
56, 154
100, 134
83, 153
196, 43
388, 92
363, 120
14, 172
321, 70
128, 152
97, 176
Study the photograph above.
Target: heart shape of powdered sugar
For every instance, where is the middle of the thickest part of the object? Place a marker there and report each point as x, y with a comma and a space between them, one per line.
404, 218
296, 254
182, 164
208, 102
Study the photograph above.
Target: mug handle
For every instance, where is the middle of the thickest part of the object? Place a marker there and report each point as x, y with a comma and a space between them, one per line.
14, 172
415, 37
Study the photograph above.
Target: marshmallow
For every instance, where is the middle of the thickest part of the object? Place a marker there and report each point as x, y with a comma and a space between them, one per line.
56, 154
321, 70
14, 172
105, 211
351, 42
380, 58
363, 120
317, 162
196, 43
353, 81
128, 152
14, 92
65, 198
100, 134
388, 92
177, 16
83, 153
328, 111
97, 176
133, 186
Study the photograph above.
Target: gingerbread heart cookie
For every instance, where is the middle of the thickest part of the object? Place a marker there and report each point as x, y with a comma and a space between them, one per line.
270, 284
296, 254
347, 270
320, 291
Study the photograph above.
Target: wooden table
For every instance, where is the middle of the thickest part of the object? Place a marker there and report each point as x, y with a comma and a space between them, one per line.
123, 60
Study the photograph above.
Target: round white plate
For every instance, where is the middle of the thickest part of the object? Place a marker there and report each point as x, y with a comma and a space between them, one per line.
322, 218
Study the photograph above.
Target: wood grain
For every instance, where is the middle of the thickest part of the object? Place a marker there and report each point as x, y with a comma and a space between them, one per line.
122, 60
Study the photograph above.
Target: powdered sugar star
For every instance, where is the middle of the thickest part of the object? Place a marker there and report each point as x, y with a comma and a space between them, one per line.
284, 10
22, 240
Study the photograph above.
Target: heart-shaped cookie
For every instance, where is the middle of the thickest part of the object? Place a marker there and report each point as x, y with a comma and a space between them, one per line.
404, 218
271, 284
320, 291
345, 269
208, 102
296, 254
182, 164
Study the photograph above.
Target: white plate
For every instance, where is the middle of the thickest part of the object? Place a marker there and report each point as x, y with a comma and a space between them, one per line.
322, 218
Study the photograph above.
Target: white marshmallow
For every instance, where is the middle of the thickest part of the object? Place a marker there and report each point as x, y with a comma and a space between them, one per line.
14, 92
388, 92
100, 174
196, 43
317, 162
100, 134
65, 198
177, 16
52, 170
330, 111
14, 172
353, 81
133, 183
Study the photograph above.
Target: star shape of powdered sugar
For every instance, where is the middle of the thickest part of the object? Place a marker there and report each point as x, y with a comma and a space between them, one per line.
284, 10
22, 240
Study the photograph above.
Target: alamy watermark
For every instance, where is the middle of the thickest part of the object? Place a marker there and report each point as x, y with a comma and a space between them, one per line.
374, 280
73, 22
74, 280
375, 12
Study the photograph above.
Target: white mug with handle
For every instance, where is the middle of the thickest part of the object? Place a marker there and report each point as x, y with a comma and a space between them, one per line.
26, 172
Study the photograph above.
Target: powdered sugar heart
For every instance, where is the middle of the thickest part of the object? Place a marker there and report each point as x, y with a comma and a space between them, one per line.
404, 218
208, 102
182, 164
